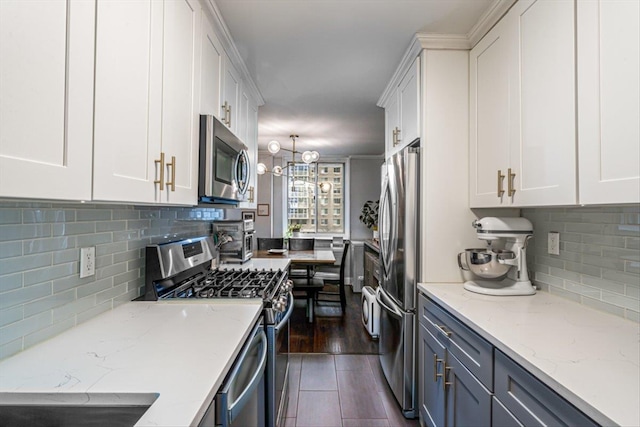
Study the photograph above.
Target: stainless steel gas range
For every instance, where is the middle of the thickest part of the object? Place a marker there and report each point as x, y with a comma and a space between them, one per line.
182, 269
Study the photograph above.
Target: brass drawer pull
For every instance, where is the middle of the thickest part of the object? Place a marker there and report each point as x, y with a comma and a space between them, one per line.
161, 180
510, 182
500, 179
172, 183
443, 331
435, 368
396, 136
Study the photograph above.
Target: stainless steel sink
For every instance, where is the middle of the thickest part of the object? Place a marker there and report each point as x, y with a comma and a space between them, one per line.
73, 409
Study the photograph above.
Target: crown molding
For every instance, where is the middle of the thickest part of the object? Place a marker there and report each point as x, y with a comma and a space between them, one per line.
422, 41
488, 19
224, 35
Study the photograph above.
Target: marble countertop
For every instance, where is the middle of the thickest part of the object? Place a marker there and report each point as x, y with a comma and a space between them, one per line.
275, 263
137, 352
590, 358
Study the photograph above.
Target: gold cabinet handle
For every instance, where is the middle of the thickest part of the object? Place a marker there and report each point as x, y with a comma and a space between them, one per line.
225, 110
443, 331
435, 368
172, 183
445, 382
251, 191
396, 136
229, 118
161, 180
510, 183
500, 187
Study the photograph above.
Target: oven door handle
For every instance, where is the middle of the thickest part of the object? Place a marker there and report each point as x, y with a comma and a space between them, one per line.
286, 317
234, 408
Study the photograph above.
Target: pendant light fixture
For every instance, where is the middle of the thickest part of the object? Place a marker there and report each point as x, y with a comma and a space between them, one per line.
274, 147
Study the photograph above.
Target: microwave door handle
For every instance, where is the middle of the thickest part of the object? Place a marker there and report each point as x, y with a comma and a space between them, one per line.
234, 408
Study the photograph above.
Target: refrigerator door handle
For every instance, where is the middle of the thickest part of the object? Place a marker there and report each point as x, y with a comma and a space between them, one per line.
385, 240
392, 310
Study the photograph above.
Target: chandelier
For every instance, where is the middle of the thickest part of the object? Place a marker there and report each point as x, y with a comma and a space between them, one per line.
274, 147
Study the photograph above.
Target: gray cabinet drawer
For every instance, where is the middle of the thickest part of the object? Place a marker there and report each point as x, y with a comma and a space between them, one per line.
501, 417
470, 348
531, 401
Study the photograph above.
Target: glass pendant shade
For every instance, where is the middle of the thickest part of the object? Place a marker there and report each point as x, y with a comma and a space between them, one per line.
273, 146
307, 157
261, 168
277, 170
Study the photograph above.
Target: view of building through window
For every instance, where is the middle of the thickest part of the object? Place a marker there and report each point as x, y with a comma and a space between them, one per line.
316, 197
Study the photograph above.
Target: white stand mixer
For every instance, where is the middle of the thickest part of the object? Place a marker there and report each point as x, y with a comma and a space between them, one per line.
506, 254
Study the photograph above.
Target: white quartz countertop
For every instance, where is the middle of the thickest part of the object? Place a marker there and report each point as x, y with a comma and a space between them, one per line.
590, 358
177, 351
274, 263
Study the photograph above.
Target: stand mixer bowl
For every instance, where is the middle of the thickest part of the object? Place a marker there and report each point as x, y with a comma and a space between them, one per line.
484, 263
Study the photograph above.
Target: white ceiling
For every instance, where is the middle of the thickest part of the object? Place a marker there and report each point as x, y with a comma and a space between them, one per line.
321, 65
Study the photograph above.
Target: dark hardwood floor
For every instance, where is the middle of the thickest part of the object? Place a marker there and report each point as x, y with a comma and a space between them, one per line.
331, 332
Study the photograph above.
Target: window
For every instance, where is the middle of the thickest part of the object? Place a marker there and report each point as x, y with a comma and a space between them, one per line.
316, 188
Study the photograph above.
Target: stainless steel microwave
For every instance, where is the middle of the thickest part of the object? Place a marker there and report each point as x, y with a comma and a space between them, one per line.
224, 164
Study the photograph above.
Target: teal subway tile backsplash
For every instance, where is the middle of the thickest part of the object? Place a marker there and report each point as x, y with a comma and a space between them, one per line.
599, 261
41, 292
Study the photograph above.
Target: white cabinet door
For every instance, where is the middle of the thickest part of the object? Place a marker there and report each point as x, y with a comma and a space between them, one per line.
128, 96
392, 125
609, 101
489, 118
409, 102
252, 143
211, 75
230, 95
542, 116
46, 99
181, 100
522, 140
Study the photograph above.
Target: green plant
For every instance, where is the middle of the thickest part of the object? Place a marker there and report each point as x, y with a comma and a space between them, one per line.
369, 214
293, 228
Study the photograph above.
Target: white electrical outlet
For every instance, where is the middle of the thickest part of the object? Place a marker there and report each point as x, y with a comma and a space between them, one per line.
87, 261
553, 244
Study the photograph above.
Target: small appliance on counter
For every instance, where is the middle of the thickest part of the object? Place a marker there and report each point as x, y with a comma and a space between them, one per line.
501, 267
239, 248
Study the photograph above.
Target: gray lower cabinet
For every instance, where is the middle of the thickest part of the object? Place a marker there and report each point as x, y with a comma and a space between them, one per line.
449, 394
530, 401
431, 383
465, 381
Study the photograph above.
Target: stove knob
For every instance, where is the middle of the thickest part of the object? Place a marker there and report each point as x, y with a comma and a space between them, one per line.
288, 285
278, 305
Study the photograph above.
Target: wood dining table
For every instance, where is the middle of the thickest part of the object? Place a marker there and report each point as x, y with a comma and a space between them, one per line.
306, 259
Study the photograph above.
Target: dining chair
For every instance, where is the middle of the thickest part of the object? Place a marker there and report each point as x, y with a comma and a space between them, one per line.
266, 243
329, 278
301, 244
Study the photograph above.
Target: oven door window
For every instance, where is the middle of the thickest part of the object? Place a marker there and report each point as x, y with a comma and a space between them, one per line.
226, 159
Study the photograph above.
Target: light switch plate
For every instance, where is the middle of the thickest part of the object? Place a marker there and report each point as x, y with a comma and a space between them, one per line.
87, 261
553, 245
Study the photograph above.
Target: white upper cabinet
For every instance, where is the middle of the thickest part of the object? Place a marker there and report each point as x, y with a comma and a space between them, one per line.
489, 117
229, 109
46, 99
409, 102
609, 101
402, 112
212, 66
147, 100
181, 100
522, 138
128, 96
249, 135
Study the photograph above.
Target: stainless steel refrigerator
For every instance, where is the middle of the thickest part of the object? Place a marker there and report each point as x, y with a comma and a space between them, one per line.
400, 266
